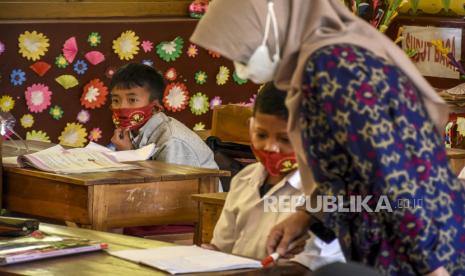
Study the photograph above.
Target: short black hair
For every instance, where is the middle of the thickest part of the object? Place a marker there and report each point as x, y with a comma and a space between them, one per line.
270, 100
139, 75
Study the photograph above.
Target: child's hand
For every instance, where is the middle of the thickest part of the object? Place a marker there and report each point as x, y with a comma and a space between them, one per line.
121, 139
210, 246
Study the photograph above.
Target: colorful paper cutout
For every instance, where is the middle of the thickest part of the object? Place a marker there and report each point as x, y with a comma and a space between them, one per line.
110, 72
198, 8
61, 62
56, 112
37, 135
147, 62
170, 50
252, 100
199, 104
94, 39
94, 57
32, 45
38, 97
17, 77
94, 95
175, 97
6, 103
74, 135
214, 54
223, 75
126, 45
80, 67
147, 46
27, 120
215, 102
171, 74
40, 68
192, 51
67, 81
199, 126
238, 80
95, 134
70, 49
83, 116
2, 48
201, 77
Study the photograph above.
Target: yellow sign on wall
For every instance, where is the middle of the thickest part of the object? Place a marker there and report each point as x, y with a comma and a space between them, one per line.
435, 6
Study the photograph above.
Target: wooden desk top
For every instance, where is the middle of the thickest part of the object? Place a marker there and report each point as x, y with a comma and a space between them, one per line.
152, 171
215, 198
100, 263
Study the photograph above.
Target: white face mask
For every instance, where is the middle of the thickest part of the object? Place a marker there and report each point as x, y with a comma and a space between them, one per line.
261, 68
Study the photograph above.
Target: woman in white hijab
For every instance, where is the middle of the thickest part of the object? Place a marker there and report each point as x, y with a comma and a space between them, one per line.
367, 124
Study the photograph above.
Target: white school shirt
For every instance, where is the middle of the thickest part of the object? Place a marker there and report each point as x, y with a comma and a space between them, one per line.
243, 226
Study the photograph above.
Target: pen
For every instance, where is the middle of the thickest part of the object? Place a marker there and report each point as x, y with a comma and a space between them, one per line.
275, 256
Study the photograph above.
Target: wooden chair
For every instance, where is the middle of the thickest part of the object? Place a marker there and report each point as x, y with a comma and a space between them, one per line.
230, 123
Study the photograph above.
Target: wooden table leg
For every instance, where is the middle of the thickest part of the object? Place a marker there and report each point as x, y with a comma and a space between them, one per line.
99, 207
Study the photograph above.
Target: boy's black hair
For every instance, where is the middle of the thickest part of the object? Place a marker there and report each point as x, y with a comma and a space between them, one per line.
270, 100
139, 75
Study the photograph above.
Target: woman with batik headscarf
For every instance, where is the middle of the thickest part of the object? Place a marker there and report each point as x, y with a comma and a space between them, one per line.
367, 123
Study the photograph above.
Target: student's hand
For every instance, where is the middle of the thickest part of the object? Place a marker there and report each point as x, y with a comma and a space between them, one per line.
121, 139
441, 271
210, 246
282, 234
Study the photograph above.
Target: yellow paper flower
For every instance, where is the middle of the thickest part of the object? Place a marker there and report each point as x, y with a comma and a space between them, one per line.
74, 135
127, 45
6, 103
27, 120
439, 44
222, 76
38, 135
32, 45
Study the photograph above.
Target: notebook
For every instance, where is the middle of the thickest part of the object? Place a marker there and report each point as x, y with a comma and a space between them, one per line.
186, 259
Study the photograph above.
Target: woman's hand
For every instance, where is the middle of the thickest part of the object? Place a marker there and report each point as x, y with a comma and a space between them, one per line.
441, 271
210, 246
121, 139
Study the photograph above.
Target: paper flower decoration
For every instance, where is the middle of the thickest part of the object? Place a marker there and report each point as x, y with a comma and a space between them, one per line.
67, 81
110, 72
252, 99
199, 104
222, 76
175, 97
61, 62
38, 97
27, 120
2, 48
94, 57
171, 74
238, 80
70, 49
94, 95
214, 54
83, 116
199, 126
95, 134
94, 39
192, 51
147, 62
170, 50
6, 103
80, 67
40, 67
127, 45
147, 46
37, 136
74, 135
32, 45
215, 101
56, 112
17, 77
200, 77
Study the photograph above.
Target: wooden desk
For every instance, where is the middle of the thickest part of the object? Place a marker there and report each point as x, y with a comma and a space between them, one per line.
211, 206
158, 194
100, 263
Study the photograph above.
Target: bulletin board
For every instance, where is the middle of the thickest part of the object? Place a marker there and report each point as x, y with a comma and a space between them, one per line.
33, 55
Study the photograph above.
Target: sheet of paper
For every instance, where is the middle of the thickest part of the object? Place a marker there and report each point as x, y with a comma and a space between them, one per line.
186, 259
10, 161
140, 154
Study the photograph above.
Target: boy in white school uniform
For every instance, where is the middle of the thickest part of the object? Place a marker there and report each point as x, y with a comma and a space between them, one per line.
244, 223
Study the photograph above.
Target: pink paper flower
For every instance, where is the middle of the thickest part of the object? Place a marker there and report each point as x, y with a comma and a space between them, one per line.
95, 134
83, 116
147, 46
38, 97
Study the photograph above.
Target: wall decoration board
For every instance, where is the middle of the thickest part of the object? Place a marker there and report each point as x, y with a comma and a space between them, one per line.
54, 74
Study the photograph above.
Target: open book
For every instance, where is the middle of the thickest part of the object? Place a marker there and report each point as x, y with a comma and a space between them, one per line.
41, 246
186, 259
60, 160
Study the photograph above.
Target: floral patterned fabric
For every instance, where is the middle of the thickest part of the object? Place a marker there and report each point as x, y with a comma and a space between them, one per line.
366, 132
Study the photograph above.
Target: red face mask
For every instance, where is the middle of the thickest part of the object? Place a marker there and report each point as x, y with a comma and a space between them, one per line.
276, 163
132, 118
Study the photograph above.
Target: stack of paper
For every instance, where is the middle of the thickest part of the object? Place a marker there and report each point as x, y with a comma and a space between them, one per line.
186, 259
143, 153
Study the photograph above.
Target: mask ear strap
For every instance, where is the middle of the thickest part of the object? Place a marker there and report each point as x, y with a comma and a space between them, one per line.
267, 24
275, 29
